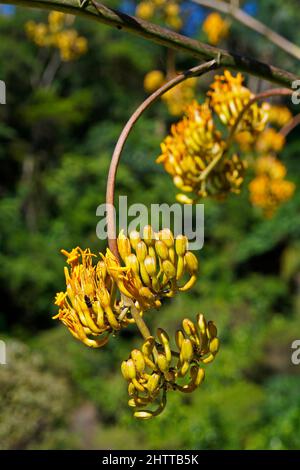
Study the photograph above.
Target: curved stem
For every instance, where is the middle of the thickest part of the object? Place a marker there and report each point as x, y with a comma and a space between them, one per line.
259, 96
94, 10
290, 126
110, 190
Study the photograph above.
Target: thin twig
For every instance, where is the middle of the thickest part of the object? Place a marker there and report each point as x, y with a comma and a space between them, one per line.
95, 10
242, 17
110, 190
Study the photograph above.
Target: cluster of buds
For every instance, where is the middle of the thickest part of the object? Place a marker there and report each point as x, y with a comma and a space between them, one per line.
166, 10
215, 28
156, 369
196, 154
228, 97
58, 34
99, 296
89, 307
269, 189
279, 115
156, 266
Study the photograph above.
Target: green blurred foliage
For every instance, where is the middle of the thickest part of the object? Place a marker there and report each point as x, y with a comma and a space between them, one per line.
56, 146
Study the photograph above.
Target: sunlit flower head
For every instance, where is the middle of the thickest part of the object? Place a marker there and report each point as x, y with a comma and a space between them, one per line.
89, 307
155, 266
228, 96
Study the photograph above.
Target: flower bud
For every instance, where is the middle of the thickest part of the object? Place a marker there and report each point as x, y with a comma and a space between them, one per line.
150, 265
153, 383
184, 199
166, 236
186, 350
138, 360
135, 238
132, 262
191, 262
169, 269
141, 251
161, 250
181, 245
148, 235
123, 245
162, 362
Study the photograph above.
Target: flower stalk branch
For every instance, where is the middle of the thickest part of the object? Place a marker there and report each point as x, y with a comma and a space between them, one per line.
197, 71
96, 11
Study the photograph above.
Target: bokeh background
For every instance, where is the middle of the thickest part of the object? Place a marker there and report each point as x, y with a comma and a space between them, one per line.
58, 130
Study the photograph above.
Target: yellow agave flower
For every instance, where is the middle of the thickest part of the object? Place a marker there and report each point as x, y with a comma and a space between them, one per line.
269, 189
88, 307
279, 115
156, 266
270, 140
215, 28
228, 96
155, 369
193, 144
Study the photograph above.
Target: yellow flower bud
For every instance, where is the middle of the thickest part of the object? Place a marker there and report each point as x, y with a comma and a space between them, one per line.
131, 369
150, 265
191, 262
138, 360
186, 350
169, 269
123, 246
162, 362
132, 262
167, 237
148, 346
153, 383
179, 337
181, 244
141, 251
184, 199
161, 250
148, 235
214, 345
189, 327
125, 371
135, 238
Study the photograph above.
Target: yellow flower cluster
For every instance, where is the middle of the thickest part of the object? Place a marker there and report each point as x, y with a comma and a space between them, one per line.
89, 307
228, 96
279, 115
167, 10
196, 155
157, 266
269, 189
215, 28
57, 33
270, 141
155, 369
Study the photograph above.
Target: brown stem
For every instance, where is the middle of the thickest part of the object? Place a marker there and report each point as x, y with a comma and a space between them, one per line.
290, 126
110, 189
96, 11
260, 96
